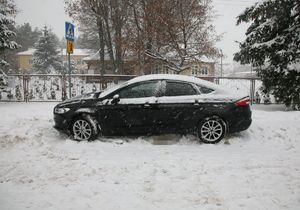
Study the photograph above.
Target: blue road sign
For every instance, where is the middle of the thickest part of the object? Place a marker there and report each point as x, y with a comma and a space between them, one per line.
69, 31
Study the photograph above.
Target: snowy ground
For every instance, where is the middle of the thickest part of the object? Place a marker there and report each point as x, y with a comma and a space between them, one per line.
41, 169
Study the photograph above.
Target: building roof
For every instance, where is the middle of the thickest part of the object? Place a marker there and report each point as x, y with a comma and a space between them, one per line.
96, 56
30, 51
202, 58
80, 52
244, 74
205, 59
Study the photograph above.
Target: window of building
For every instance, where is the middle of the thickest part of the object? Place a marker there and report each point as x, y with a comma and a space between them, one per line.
161, 69
165, 70
204, 70
156, 70
195, 70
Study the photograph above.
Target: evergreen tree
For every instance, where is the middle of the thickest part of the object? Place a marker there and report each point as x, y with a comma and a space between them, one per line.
26, 36
46, 58
7, 13
272, 47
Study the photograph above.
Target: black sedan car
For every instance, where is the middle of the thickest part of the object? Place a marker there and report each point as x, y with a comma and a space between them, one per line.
153, 105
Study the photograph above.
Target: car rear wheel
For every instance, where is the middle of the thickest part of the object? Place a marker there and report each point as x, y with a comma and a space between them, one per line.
211, 130
84, 129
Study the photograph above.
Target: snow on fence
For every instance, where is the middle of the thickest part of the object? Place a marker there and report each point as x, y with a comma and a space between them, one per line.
249, 86
54, 87
43, 87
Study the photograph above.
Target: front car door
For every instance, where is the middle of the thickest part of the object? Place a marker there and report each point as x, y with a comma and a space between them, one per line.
129, 116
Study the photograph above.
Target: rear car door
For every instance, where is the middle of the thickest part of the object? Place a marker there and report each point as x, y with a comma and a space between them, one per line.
131, 114
179, 106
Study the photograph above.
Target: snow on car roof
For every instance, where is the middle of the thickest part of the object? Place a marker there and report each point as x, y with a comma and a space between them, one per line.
174, 77
177, 77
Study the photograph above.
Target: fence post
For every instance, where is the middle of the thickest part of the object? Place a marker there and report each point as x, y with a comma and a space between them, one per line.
217, 80
254, 95
63, 87
252, 90
25, 87
24, 79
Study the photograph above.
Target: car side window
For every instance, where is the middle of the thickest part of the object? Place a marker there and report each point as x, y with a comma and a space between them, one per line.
205, 90
141, 90
179, 89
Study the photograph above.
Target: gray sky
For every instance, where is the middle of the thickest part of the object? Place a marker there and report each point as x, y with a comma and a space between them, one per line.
225, 23
51, 12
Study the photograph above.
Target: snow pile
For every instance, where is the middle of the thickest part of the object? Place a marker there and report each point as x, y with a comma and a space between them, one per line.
41, 169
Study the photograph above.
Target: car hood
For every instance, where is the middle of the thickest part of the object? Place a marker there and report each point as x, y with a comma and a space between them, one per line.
79, 98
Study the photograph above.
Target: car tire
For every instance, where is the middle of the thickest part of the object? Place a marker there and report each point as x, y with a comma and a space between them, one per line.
211, 130
84, 128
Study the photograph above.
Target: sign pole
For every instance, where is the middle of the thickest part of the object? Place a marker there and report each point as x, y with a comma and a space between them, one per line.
69, 29
69, 65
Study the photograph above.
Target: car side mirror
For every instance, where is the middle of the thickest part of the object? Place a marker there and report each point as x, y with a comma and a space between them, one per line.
116, 99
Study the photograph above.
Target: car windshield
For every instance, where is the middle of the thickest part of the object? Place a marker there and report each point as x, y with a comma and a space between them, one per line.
112, 89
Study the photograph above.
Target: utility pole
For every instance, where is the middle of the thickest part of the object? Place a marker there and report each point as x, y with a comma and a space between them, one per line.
252, 87
221, 63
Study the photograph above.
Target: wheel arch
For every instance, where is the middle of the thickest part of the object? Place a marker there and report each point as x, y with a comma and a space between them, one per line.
215, 115
84, 113
208, 131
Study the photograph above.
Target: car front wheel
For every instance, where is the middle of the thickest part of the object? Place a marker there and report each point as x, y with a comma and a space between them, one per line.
211, 130
84, 129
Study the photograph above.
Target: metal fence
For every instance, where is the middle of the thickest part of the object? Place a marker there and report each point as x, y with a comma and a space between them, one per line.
43, 87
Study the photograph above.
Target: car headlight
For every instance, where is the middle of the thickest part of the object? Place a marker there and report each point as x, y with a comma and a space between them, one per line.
61, 110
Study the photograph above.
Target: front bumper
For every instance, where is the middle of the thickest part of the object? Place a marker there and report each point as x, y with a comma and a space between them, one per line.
61, 123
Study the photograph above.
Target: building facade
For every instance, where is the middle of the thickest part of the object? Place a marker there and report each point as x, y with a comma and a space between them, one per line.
25, 59
87, 62
200, 68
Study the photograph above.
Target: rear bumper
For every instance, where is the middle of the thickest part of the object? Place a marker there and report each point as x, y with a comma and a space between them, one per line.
240, 120
240, 126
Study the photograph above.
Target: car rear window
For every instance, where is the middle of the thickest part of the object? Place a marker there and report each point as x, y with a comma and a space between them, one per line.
179, 89
204, 90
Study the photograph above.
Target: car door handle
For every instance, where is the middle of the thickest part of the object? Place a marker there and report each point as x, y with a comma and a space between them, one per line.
146, 105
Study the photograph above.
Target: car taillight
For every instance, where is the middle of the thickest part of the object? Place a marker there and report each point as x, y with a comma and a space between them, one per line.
243, 102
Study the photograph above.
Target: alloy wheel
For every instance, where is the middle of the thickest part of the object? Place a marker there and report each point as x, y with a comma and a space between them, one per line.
82, 130
211, 130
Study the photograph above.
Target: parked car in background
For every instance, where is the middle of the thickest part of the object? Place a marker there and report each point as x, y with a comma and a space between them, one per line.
153, 105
